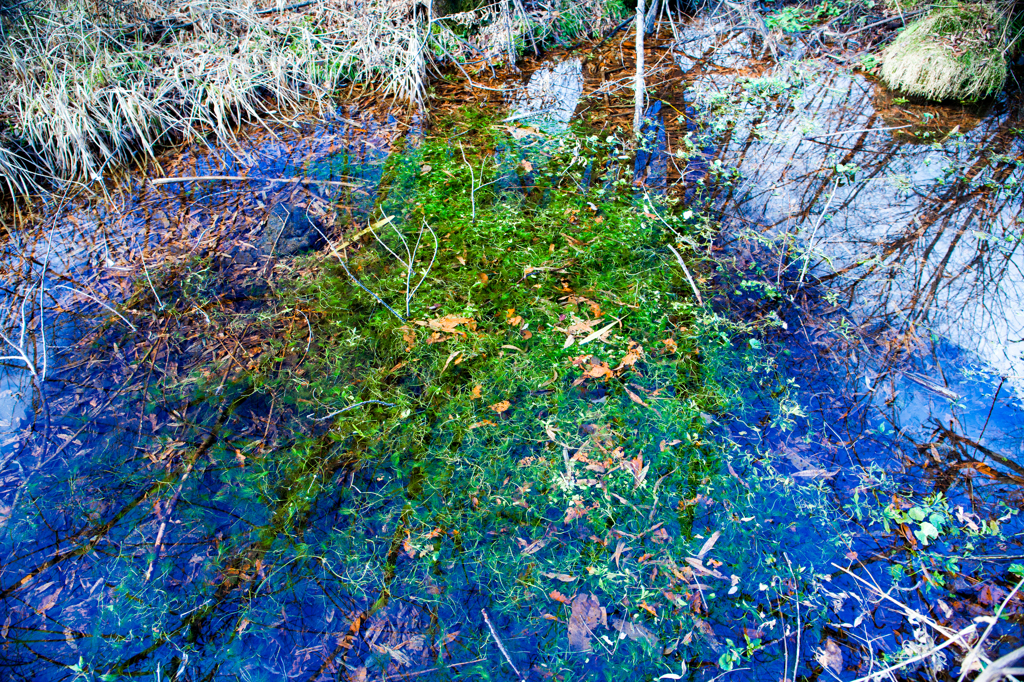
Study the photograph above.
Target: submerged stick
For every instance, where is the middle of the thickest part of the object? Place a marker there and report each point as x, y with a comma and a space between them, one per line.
246, 178
501, 647
686, 271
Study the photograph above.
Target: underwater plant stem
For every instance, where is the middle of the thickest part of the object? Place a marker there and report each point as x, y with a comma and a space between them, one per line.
497, 640
356, 279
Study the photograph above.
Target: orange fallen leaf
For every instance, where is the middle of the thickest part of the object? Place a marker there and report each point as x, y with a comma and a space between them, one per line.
481, 423
559, 597
501, 406
448, 324
477, 392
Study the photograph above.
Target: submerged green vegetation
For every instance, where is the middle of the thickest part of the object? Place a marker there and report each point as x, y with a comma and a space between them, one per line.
534, 430
501, 407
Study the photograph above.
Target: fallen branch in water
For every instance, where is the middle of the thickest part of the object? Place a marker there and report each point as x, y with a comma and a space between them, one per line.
246, 178
501, 647
686, 271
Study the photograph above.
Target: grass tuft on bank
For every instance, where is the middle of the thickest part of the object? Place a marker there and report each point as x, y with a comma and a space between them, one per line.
958, 51
88, 87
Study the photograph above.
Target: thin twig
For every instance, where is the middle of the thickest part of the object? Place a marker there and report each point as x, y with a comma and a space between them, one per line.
854, 132
88, 295
501, 647
356, 279
814, 232
686, 271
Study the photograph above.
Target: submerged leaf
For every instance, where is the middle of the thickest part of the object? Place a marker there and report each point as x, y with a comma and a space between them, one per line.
635, 631
585, 616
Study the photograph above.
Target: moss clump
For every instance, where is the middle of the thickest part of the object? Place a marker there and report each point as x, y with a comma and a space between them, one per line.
955, 52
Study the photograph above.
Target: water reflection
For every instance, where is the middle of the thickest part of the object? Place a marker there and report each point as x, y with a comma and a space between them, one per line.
882, 238
914, 229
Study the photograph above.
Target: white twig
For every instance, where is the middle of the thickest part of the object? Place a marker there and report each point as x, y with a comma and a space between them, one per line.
686, 271
975, 651
920, 657
352, 407
159, 303
799, 625
96, 300
638, 105
501, 647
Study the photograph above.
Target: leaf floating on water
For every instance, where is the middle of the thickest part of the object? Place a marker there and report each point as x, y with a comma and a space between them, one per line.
635, 631
586, 614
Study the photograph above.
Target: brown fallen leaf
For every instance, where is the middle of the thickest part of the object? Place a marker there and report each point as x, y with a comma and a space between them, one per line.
634, 631
501, 406
583, 620
830, 656
700, 569
477, 392
636, 399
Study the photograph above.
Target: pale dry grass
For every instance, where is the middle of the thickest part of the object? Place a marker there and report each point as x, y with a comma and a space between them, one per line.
954, 52
91, 86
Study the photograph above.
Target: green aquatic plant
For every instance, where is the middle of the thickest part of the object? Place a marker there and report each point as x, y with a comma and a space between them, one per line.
954, 52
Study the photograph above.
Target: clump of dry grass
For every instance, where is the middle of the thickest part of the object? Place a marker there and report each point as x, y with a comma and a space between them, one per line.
91, 85
954, 52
